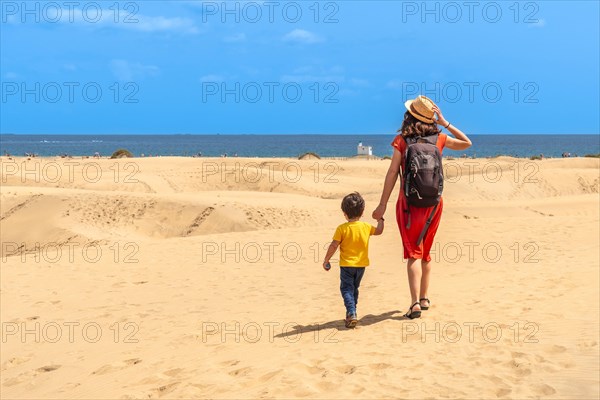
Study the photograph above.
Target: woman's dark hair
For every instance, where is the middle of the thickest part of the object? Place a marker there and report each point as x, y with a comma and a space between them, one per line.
353, 205
413, 127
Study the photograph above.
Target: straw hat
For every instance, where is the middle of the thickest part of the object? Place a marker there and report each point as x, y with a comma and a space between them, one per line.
421, 108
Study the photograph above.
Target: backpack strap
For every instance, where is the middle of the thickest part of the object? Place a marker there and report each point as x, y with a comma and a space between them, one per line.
427, 224
431, 139
410, 140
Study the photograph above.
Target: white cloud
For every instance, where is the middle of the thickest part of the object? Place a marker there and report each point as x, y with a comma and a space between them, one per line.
539, 24
162, 24
360, 82
239, 37
104, 18
127, 72
394, 84
302, 36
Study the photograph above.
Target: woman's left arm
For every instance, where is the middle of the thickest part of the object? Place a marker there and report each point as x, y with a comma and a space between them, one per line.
390, 181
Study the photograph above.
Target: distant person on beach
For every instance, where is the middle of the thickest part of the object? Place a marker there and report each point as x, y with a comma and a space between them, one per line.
353, 240
420, 142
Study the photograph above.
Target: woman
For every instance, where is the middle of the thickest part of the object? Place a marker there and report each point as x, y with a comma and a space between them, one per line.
418, 121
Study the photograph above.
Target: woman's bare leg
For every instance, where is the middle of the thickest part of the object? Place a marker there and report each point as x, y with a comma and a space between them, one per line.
426, 270
414, 281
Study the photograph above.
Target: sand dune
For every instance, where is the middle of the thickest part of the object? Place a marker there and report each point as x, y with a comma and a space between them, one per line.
201, 278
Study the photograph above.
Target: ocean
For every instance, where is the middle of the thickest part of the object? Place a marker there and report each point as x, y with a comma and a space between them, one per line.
283, 145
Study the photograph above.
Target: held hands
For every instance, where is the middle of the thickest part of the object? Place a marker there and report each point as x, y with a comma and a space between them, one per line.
379, 211
440, 120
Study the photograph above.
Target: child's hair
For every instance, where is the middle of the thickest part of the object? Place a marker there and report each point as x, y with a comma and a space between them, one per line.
353, 205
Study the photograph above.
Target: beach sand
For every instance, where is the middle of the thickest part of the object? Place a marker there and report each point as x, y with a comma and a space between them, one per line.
201, 278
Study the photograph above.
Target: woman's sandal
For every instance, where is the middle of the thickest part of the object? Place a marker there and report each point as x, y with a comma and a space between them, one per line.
425, 308
413, 314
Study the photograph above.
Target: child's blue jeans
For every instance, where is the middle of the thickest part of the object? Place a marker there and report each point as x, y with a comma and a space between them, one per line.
350, 278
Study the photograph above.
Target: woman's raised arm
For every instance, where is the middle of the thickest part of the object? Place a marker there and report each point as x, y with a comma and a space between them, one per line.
460, 141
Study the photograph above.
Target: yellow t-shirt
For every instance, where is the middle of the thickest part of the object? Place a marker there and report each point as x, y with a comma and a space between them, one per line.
354, 243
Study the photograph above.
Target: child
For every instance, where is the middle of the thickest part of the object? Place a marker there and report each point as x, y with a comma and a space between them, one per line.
353, 239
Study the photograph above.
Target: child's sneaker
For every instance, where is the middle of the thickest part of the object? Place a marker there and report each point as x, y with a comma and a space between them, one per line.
351, 321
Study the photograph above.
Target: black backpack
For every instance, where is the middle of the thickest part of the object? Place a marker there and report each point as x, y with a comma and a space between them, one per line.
423, 175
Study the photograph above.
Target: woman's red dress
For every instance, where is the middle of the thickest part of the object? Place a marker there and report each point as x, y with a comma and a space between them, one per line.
418, 215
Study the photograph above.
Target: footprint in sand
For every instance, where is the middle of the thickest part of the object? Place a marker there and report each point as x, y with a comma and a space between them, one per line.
19, 206
587, 345
199, 220
30, 375
346, 369
544, 390
164, 389
240, 372
520, 368
268, 376
116, 366
13, 362
556, 349
48, 368
230, 363
173, 372
70, 386
380, 366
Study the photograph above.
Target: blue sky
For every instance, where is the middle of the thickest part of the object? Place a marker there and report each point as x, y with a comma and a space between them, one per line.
161, 67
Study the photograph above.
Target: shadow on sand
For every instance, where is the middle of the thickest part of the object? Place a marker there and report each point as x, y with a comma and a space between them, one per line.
367, 320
